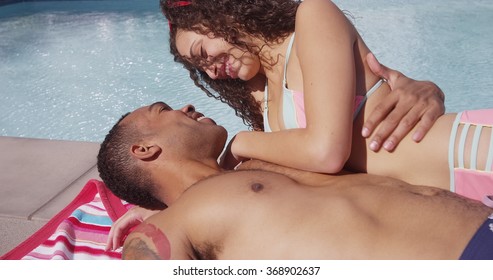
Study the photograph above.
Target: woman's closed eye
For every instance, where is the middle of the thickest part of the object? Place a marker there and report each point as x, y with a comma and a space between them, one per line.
203, 53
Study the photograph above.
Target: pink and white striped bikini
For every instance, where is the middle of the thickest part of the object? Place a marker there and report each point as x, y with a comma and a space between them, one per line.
293, 106
471, 181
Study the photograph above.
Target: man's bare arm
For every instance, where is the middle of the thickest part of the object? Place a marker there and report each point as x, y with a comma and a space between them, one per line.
147, 242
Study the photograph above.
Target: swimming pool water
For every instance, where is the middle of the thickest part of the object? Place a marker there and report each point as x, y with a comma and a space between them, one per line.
70, 69
449, 42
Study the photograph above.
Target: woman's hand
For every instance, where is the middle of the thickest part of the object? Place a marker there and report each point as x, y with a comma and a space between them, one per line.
122, 226
411, 104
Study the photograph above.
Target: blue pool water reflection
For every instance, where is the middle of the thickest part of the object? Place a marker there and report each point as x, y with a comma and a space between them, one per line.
70, 69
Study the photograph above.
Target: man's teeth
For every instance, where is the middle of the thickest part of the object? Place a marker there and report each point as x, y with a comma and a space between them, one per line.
200, 118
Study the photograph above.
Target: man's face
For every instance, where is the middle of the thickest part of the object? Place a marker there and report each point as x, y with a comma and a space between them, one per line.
183, 132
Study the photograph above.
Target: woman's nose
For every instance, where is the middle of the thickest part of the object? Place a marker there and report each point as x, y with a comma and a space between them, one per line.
211, 71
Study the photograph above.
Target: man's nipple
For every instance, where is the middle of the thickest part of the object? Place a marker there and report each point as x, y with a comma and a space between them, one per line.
256, 187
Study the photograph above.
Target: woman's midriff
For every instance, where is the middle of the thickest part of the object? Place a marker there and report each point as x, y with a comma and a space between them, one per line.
424, 163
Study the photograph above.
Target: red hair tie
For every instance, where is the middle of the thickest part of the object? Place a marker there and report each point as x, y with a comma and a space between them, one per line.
175, 5
179, 4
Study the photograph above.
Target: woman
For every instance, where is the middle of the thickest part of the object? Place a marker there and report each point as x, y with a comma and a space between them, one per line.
277, 25
304, 67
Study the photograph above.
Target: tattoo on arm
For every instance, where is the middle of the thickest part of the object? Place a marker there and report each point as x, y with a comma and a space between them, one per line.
137, 247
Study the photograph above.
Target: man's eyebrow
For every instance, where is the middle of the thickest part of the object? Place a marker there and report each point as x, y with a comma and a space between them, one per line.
153, 105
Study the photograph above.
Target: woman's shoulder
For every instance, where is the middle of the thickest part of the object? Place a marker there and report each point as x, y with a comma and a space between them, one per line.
321, 15
310, 6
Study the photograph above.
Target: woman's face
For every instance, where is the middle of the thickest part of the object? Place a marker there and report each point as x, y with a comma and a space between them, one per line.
219, 59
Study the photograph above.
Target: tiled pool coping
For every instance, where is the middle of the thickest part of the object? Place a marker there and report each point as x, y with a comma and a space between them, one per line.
39, 178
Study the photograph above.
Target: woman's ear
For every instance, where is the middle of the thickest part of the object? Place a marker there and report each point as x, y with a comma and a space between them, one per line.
145, 152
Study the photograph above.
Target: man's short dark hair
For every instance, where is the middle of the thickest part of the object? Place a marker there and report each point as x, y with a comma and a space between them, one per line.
119, 170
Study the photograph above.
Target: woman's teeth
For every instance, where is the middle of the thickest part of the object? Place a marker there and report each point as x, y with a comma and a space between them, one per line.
228, 69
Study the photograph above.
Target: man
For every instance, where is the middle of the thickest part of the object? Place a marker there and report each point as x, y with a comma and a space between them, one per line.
263, 214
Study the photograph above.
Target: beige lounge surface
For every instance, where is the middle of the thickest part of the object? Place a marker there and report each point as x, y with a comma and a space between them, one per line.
38, 179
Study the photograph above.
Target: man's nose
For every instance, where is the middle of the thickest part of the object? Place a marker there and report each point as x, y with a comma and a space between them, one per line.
187, 109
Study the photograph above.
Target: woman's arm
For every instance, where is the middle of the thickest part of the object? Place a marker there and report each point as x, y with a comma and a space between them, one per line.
324, 46
300, 176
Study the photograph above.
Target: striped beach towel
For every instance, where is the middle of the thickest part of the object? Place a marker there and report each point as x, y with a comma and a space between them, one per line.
79, 231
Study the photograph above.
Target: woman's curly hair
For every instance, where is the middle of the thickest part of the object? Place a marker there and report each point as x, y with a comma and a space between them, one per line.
270, 20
